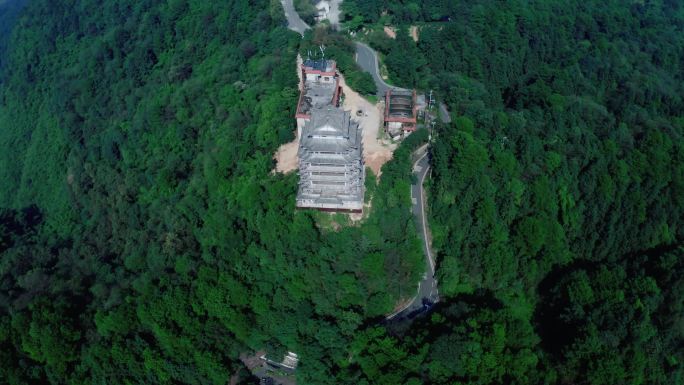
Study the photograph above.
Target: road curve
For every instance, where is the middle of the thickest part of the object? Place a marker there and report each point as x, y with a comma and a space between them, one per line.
294, 22
367, 59
428, 293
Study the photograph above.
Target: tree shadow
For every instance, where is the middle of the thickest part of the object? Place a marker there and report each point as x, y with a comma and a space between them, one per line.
17, 224
453, 309
556, 334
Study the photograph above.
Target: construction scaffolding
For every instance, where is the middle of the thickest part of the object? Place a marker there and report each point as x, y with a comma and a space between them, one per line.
331, 167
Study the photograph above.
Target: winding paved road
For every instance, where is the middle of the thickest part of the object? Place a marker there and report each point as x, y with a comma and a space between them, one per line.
294, 22
367, 59
428, 293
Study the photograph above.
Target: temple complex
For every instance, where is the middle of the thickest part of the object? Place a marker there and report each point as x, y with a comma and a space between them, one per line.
331, 167
400, 112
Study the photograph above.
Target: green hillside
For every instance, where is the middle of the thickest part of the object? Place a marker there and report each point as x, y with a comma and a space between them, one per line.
557, 197
144, 238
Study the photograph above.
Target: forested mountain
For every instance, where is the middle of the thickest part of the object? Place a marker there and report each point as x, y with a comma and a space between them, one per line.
557, 197
144, 238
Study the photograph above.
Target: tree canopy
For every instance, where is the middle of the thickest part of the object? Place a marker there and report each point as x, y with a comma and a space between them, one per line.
144, 237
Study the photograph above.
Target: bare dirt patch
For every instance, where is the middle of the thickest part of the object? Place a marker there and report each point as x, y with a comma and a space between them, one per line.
391, 32
376, 152
413, 31
286, 155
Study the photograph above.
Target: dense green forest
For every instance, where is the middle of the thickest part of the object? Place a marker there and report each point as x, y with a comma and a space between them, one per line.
145, 239
9, 12
557, 197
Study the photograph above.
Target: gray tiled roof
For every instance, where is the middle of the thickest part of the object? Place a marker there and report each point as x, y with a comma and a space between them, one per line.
331, 130
317, 95
330, 154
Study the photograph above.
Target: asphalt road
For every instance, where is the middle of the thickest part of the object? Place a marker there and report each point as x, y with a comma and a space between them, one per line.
367, 59
294, 22
428, 293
